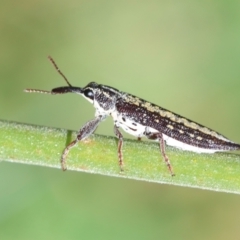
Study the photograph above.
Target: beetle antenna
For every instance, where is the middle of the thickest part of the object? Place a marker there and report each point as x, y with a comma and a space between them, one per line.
59, 71
28, 90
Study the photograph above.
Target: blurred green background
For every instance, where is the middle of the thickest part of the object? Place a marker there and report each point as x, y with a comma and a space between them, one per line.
182, 55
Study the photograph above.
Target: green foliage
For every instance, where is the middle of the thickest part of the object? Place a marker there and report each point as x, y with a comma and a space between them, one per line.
43, 146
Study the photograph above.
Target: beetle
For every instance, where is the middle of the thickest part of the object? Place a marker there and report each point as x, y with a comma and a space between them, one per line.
140, 118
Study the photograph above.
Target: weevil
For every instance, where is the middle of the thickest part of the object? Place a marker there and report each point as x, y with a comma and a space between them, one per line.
140, 118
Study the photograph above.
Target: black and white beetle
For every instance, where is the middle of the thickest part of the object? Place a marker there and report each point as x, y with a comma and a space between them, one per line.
141, 119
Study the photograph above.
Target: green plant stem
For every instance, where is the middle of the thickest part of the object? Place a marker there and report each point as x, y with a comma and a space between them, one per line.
43, 146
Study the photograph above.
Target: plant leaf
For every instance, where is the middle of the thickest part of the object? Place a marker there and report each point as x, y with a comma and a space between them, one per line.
43, 146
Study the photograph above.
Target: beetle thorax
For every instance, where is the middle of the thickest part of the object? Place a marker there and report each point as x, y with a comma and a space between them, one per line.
105, 99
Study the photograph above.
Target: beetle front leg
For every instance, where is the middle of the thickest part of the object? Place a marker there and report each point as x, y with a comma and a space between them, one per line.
120, 143
84, 132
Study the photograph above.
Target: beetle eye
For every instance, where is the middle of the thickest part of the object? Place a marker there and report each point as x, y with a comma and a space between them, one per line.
89, 94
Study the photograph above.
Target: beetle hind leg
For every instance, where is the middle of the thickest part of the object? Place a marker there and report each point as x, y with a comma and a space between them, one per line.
159, 136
